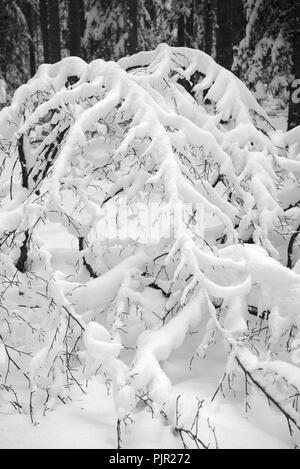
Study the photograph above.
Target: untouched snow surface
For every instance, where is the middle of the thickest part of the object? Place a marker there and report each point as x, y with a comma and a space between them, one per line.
89, 420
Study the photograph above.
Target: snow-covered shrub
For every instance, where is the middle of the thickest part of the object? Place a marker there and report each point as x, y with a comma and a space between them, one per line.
80, 140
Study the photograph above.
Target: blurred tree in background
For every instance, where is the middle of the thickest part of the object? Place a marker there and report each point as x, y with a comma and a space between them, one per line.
257, 39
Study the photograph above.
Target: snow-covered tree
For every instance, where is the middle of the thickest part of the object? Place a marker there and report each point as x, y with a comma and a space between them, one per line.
264, 59
105, 29
104, 153
109, 33
16, 30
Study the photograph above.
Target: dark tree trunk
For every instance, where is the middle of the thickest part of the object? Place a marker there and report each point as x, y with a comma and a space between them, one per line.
294, 104
82, 17
54, 31
189, 37
230, 19
238, 22
44, 21
181, 31
30, 18
75, 27
208, 33
4, 21
131, 16
185, 26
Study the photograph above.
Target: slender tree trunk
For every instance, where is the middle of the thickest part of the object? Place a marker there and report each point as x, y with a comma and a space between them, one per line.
82, 17
131, 16
44, 21
238, 22
208, 34
294, 104
30, 18
54, 31
75, 27
229, 16
224, 34
185, 25
181, 30
189, 39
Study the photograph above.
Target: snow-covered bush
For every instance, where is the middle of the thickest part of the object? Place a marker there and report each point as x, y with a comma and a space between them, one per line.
81, 143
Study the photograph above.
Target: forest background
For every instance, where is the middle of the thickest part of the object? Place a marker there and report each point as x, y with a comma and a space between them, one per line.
259, 40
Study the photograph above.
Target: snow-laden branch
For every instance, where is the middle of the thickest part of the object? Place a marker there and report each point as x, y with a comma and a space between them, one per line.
107, 153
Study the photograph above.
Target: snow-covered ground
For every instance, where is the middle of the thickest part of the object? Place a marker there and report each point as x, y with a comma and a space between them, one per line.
89, 420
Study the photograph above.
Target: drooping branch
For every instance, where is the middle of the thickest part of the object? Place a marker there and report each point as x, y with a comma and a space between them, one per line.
291, 247
23, 162
89, 268
269, 396
48, 156
21, 262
